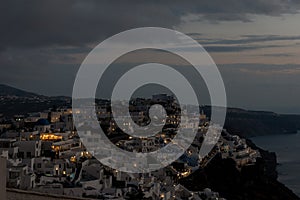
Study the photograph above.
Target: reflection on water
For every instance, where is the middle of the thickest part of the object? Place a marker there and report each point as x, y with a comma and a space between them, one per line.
287, 148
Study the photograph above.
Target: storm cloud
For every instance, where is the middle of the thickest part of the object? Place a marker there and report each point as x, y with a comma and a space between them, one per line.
77, 23
42, 43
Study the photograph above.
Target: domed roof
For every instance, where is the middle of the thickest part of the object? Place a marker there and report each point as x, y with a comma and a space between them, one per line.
42, 122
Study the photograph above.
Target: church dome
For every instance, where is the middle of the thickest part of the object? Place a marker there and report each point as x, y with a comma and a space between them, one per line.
42, 122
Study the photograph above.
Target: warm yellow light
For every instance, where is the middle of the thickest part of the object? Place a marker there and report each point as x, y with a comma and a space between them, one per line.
184, 174
50, 137
73, 159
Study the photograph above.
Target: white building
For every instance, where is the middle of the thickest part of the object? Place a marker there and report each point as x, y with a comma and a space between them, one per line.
29, 149
9, 145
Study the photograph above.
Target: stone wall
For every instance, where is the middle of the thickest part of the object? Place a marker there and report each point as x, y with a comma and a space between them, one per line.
2, 178
14, 194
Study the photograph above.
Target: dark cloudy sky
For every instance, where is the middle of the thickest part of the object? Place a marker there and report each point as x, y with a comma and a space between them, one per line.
255, 43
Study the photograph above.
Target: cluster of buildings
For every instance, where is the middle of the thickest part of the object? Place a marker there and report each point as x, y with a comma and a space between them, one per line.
44, 153
232, 146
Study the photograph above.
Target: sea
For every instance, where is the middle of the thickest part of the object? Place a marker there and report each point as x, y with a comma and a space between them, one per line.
287, 149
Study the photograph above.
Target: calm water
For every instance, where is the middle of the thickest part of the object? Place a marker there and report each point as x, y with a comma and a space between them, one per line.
287, 148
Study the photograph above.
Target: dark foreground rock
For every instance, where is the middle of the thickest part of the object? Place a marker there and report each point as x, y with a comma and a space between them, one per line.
254, 182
